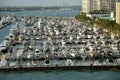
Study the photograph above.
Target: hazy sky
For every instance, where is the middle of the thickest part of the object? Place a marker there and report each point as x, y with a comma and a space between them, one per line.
38, 2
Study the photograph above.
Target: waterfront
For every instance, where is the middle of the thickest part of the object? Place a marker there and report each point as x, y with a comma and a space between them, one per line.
54, 75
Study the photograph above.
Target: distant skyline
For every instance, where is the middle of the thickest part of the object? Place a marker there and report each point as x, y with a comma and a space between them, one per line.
39, 2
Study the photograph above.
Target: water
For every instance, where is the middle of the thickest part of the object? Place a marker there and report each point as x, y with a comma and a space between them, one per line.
52, 75
4, 32
48, 12
61, 75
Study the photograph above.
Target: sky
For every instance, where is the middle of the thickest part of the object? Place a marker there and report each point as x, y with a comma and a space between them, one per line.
38, 2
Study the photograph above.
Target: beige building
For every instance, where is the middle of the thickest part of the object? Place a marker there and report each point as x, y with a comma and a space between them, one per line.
118, 12
91, 5
86, 6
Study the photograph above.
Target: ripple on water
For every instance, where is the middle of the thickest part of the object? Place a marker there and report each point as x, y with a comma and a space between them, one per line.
61, 75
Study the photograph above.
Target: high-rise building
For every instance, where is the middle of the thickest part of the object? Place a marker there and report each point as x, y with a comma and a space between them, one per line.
91, 5
118, 12
112, 5
86, 6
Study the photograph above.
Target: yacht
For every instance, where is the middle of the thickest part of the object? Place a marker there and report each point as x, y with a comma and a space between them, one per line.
72, 52
30, 54
19, 53
3, 47
41, 23
69, 62
47, 62
3, 62
37, 52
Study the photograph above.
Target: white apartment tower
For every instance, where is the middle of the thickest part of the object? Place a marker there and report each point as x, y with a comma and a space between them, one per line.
118, 12
91, 5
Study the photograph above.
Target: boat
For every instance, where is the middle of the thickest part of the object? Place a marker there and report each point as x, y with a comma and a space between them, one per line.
72, 52
19, 53
69, 62
34, 63
47, 62
41, 22
12, 36
14, 29
3, 63
12, 64
3, 47
29, 54
37, 52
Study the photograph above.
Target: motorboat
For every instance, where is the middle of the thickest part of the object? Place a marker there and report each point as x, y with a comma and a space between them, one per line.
20, 38
30, 54
69, 62
47, 62
3, 62
19, 53
12, 36
72, 52
12, 64
6, 41
34, 63
31, 46
15, 29
3, 47
37, 52
41, 23
118, 61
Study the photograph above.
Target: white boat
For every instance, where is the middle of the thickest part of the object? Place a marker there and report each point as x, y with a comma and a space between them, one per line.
69, 62
34, 63
37, 52
72, 52
12, 36
3, 63
31, 46
14, 29
19, 53
12, 64
29, 54
3, 47
118, 61
41, 23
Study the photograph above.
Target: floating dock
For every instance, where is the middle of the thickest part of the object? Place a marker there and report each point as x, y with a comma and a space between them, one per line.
65, 68
5, 25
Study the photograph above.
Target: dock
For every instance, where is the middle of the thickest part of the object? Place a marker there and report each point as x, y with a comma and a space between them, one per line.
63, 68
2, 26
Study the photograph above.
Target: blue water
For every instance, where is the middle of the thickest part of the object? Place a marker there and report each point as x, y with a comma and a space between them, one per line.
4, 32
48, 12
52, 75
61, 75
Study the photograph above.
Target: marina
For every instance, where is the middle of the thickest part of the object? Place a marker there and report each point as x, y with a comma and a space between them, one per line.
37, 43
51, 40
